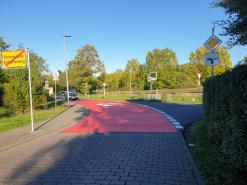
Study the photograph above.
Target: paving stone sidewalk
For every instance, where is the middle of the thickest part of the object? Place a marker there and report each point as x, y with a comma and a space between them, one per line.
23, 134
99, 159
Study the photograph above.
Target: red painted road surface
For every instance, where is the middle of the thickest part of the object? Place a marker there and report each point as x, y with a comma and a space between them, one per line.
112, 116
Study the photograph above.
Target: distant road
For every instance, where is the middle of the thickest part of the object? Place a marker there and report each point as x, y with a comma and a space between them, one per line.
185, 114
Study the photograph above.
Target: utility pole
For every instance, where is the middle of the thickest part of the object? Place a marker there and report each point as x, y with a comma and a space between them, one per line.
66, 69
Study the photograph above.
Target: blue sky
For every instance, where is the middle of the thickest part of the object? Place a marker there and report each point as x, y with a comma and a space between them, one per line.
119, 29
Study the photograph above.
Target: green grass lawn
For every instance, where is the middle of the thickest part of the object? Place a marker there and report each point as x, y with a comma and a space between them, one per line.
182, 98
8, 122
4, 112
169, 98
208, 160
109, 97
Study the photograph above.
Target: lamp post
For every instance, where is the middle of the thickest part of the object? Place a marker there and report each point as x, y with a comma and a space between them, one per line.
66, 62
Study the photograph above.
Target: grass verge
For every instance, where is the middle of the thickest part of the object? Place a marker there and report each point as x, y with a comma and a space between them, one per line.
167, 98
11, 122
208, 160
109, 97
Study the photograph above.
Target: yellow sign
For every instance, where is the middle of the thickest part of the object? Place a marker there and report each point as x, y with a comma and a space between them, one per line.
13, 59
212, 43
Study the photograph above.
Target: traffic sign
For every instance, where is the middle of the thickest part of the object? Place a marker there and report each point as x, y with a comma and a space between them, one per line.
55, 74
13, 59
212, 43
153, 76
212, 59
104, 84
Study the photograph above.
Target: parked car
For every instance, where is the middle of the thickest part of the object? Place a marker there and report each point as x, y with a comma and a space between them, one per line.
63, 93
72, 96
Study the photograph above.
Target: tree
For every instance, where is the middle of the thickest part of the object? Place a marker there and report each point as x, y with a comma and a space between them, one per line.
84, 67
236, 24
197, 63
245, 59
132, 68
117, 80
16, 89
186, 78
3, 46
164, 62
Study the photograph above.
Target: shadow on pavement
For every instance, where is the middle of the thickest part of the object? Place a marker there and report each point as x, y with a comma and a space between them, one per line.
122, 158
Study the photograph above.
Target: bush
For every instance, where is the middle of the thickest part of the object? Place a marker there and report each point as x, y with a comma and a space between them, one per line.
16, 88
225, 108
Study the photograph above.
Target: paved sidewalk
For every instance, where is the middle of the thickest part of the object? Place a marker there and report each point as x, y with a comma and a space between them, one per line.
129, 158
24, 134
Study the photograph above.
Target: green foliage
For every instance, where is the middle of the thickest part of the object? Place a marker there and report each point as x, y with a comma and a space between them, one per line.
209, 162
83, 67
164, 62
236, 24
197, 63
3, 46
19, 120
16, 89
133, 70
225, 105
116, 80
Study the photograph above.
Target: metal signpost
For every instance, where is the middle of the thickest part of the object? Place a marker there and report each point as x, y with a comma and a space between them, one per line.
130, 83
152, 77
212, 58
55, 76
18, 60
199, 82
104, 85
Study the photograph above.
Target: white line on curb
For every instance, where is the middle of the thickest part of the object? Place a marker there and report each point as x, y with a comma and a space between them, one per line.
175, 123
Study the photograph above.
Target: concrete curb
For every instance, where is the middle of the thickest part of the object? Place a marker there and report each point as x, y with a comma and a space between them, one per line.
196, 171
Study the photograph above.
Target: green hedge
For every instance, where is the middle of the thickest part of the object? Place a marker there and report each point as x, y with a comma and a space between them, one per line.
225, 108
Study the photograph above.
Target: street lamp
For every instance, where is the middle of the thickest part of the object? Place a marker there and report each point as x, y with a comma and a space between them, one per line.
66, 69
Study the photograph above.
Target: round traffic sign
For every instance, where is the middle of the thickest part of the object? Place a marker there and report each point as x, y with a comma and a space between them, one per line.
55, 74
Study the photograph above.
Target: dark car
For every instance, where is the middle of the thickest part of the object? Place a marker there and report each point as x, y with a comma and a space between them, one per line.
72, 96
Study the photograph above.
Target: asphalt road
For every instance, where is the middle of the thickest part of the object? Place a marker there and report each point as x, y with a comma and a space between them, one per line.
185, 114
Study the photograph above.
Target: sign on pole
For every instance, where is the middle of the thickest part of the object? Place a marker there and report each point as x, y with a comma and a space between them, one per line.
212, 43
212, 59
14, 59
153, 76
30, 88
55, 76
17, 60
104, 85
